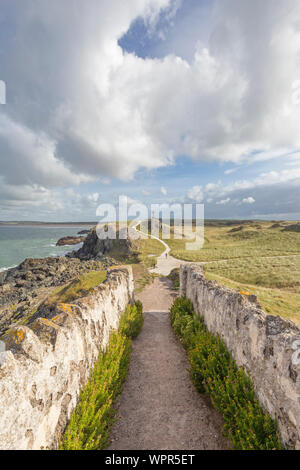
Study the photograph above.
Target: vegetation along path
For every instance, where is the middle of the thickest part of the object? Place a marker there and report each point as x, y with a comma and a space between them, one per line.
159, 407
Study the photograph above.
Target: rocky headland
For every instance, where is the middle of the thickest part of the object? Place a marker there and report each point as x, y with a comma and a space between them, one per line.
95, 248
23, 289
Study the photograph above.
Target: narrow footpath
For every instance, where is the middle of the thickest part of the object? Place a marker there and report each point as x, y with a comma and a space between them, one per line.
159, 408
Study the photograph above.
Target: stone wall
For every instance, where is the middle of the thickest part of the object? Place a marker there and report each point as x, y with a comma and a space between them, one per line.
267, 347
44, 367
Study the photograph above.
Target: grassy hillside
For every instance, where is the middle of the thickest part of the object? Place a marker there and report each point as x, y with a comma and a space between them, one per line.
260, 257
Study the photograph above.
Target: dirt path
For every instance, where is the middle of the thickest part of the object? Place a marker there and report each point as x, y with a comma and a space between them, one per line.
159, 408
165, 262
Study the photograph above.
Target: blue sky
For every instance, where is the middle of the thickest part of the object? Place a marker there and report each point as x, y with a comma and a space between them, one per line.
190, 24
164, 101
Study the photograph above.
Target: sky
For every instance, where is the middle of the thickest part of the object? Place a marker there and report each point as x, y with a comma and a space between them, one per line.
164, 101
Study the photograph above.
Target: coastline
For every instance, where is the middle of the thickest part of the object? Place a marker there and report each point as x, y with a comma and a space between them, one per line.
47, 224
21, 241
25, 288
58, 255
2, 270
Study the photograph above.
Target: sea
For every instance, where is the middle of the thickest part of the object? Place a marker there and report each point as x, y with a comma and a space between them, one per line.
19, 242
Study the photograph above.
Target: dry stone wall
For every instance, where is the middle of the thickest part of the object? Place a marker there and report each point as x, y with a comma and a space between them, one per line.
43, 368
267, 347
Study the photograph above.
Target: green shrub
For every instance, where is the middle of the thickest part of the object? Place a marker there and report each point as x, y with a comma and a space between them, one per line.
132, 321
181, 306
91, 421
174, 277
214, 372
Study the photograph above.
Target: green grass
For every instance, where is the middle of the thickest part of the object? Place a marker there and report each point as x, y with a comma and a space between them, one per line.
275, 272
76, 288
250, 242
146, 248
142, 277
90, 423
263, 258
142, 251
214, 372
274, 301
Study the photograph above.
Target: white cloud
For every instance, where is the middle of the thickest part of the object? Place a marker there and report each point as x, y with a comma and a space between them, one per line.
127, 199
230, 171
212, 187
27, 157
163, 191
248, 200
102, 110
223, 202
195, 194
263, 180
80, 109
74, 105
94, 197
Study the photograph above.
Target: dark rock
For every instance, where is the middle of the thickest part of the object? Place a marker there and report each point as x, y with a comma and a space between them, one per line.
70, 241
25, 286
28, 276
293, 374
20, 283
93, 247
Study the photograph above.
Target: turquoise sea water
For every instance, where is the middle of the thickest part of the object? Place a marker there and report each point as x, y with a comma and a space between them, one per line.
20, 242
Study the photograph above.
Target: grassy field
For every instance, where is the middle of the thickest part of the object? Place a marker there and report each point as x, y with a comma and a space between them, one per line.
147, 248
260, 257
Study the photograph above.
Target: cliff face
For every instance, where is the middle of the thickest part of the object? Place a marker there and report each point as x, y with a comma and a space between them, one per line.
94, 248
267, 347
43, 368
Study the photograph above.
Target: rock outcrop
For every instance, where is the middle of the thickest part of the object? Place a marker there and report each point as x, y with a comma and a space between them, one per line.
68, 241
95, 248
267, 347
43, 368
24, 287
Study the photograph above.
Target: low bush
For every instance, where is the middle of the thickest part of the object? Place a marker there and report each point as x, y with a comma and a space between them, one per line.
132, 321
174, 277
91, 421
214, 372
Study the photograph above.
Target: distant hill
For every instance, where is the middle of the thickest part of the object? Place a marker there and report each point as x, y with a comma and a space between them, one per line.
64, 224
